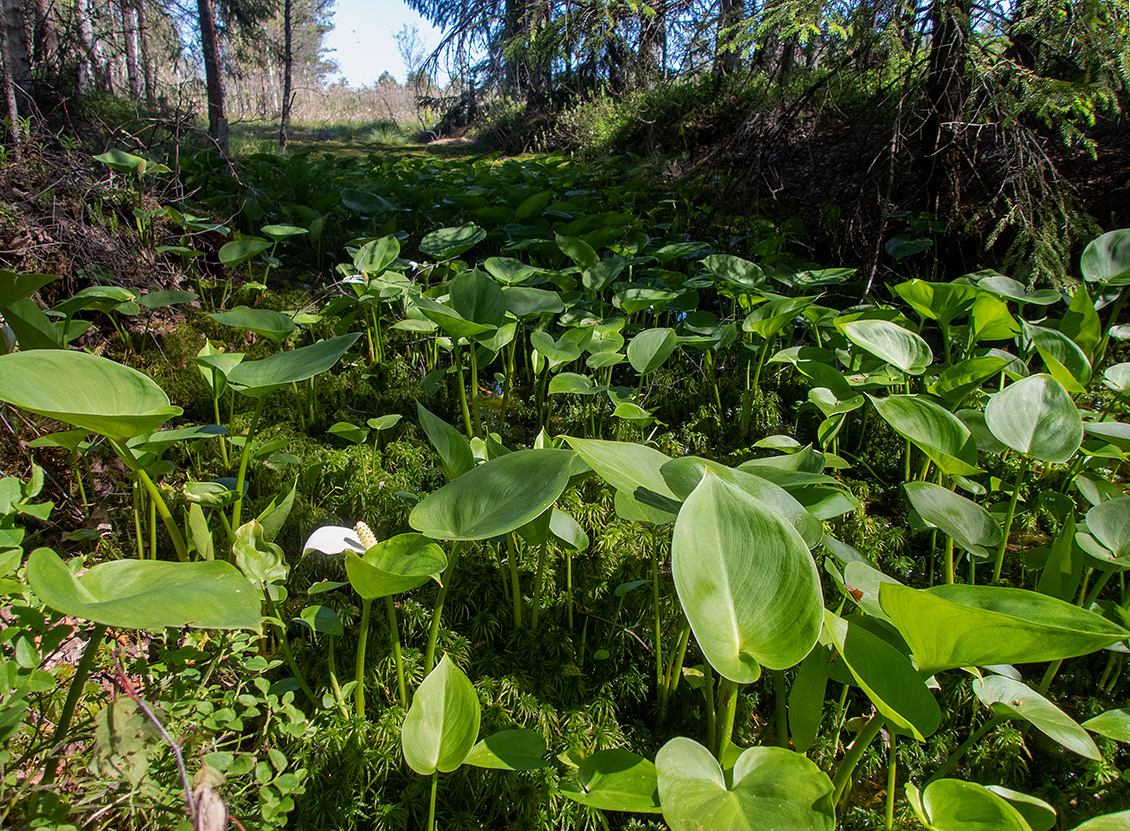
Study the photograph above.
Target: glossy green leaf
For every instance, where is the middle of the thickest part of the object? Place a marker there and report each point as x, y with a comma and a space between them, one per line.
934, 430
478, 298
648, 350
768, 319
886, 676
1039, 815
455, 455
615, 780
364, 202
84, 390
524, 302
322, 619
1064, 360
735, 270
955, 626
954, 805
240, 250
943, 302
1003, 286
773, 788
1109, 523
806, 701
993, 321
260, 560
969, 524
1081, 322
375, 256
122, 162
259, 378
954, 383
15, 286
509, 750
443, 721
1107, 822
496, 497
684, 475
508, 270
349, 432
451, 242
1036, 416
147, 594
395, 565
1114, 724
891, 343
567, 531
746, 581
269, 324
1018, 700
577, 250
634, 469
1107, 259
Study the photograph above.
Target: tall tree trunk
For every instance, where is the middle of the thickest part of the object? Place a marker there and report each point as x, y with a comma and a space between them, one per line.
15, 38
651, 64
512, 66
92, 71
726, 59
288, 66
945, 96
147, 69
10, 95
129, 37
213, 79
45, 40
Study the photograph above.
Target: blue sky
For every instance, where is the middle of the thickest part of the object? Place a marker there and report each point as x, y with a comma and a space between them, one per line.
363, 43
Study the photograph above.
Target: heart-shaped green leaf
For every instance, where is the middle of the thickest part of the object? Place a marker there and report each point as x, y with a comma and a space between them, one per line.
970, 525
934, 430
615, 780
965, 626
648, 350
478, 298
1109, 523
84, 390
1107, 259
891, 343
773, 789
953, 805
746, 581
496, 497
147, 594
1036, 416
451, 242
395, 565
443, 721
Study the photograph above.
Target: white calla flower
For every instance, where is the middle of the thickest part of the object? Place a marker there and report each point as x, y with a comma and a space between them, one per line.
334, 540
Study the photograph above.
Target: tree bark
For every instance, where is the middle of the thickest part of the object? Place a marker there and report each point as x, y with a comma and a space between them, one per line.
288, 67
147, 69
945, 97
727, 60
129, 37
15, 39
91, 69
651, 62
45, 39
213, 79
10, 96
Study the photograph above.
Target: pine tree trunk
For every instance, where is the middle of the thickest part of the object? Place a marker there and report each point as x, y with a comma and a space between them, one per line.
15, 38
45, 41
727, 60
10, 96
213, 79
288, 67
147, 69
945, 96
129, 36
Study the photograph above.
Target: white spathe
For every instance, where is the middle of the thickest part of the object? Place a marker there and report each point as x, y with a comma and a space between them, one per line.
333, 540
